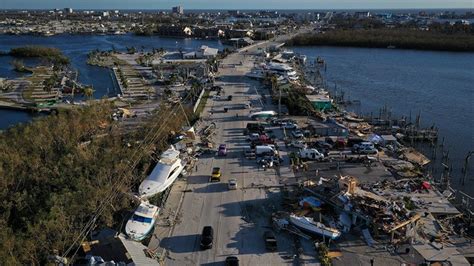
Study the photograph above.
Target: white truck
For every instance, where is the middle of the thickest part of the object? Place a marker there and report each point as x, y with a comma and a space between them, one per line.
266, 150
311, 154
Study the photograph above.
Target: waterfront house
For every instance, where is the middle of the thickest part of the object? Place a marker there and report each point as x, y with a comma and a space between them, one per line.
328, 128
109, 247
320, 102
238, 33
203, 32
240, 42
204, 52
175, 31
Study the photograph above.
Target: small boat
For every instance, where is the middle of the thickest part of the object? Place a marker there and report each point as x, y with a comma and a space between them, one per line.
309, 225
262, 114
353, 119
140, 225
168, 168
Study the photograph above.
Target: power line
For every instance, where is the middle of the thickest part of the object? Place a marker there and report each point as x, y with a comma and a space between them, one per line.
122, 181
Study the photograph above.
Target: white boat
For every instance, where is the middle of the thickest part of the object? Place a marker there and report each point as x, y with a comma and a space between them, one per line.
309, 225
140, 225
262, 114
163, 175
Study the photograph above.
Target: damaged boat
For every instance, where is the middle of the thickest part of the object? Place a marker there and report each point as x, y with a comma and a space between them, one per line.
168, 168
309, 225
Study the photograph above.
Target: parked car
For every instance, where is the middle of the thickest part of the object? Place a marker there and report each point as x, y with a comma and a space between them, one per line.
216, 88
270, 241
322, 144
289, 125
222, 151
298, 144
232, 184
232, 261
364, 148
229, 98
353, 141
215, 175
253, 136
297, 134
207, 237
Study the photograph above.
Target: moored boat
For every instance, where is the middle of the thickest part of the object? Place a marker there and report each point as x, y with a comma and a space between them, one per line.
309, 225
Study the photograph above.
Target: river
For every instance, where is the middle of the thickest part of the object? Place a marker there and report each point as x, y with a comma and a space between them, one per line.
76, 47
438, 85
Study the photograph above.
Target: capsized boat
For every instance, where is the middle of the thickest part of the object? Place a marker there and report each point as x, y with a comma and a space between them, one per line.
140, 225
309, 225
163, 175
263, 114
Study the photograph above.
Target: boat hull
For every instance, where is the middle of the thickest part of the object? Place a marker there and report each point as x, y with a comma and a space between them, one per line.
163, 186
313, 228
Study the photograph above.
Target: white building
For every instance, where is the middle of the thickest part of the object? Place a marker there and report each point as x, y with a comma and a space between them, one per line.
204, 52
177, 10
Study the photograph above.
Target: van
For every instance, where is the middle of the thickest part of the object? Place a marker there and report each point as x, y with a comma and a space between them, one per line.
265, 150
311, 154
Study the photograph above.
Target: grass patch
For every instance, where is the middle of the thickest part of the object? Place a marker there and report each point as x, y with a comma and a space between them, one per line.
202, 103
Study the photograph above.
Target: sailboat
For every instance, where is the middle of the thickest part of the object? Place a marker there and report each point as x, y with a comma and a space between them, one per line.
309, 225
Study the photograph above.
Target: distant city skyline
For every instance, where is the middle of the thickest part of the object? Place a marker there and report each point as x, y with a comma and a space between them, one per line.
234, 4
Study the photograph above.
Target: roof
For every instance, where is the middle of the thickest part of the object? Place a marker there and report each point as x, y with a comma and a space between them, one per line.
207, 51
389, 138
146, 210
136, 251
432, 254
318, 98
169, 156
118, 248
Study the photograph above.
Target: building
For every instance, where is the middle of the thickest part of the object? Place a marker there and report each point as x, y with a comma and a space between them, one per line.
328, 128
320, 102
175, 31
68, 10
109, 247
177, 10
204, 52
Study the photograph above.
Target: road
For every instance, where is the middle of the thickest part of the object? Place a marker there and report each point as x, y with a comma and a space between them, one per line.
241, 216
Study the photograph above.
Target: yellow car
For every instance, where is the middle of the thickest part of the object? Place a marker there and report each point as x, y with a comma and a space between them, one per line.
216, 174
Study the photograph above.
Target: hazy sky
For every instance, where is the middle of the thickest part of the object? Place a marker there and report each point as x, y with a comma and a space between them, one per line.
235, 4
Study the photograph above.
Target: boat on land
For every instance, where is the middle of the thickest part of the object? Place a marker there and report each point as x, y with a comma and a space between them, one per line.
262, 114
141, 224
309, 225
168, 168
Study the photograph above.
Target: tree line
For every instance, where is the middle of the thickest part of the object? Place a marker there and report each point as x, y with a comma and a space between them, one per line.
383, 38
50, 53
57, 170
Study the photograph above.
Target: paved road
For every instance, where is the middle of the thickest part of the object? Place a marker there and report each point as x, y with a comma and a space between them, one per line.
238, 217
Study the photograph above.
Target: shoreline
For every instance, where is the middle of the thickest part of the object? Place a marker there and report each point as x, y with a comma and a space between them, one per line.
390, 39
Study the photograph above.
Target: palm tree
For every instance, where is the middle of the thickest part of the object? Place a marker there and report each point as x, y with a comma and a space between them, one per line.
88, 92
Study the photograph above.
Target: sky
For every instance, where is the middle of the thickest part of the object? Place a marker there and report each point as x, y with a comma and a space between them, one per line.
236, 4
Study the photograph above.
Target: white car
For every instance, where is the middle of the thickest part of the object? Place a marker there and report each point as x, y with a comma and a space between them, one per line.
289, 125
297, 134
232, 184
